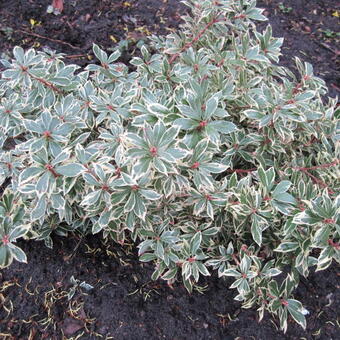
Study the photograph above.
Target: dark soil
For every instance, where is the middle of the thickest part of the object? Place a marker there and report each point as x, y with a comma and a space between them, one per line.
124, 303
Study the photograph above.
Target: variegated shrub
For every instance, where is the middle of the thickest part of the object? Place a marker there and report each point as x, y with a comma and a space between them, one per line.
209, 156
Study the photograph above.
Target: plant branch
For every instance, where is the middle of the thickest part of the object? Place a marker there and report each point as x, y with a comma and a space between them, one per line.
195, 39
305, 170
242, 171
321, 166
47, 84
50, 39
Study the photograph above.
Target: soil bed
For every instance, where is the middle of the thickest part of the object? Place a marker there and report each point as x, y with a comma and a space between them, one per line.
125, 303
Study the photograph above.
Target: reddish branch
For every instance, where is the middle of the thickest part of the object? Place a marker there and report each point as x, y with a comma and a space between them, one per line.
195, 39
321, 166
47, 84
303, 169
314, 178
242, 171
41, 80
50, 39
74, 56
317, 180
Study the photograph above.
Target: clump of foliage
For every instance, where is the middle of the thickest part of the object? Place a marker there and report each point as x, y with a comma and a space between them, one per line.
209, 156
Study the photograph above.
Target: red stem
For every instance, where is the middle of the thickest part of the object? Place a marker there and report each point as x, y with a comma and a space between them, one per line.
242, 171
47, 83
321, 166
303, 169
195, 39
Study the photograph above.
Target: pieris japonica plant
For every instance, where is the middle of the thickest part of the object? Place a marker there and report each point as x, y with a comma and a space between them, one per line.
209, 156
